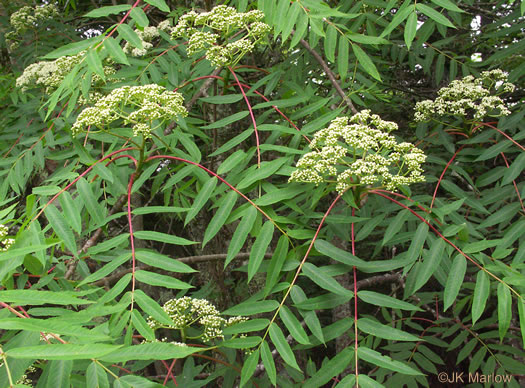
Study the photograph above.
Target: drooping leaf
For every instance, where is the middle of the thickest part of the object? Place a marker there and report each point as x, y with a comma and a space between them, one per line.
293, 325
282, 346
155, 279
63, 351
160, 4
269, 363
454, 281
259, 248
434, 15
504, 309
410, 29
365, 61
251, 307
162, 237
380, 360
115, 51
150, 351
384, 331
240, 234
96, 376
481, 294
249, 367
330, 369
129, 35
61, 228
220, 216
378, 299
200, 200
163, 262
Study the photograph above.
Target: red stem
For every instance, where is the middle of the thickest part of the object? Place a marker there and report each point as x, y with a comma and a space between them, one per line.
84, 173
168, 374
443, 173
122, 21
251, 115
443, 237
130, 184
503, 133
513, 182
255, 91
211, 173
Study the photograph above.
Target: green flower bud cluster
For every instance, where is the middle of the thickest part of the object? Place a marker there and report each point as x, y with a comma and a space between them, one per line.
27, 18
188, 312
50, 74
5, 240
146, 35
470, 98
210, 31
137, 105
360, 151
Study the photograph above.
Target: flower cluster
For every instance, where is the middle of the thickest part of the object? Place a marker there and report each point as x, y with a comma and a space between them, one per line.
27, 18
50, 74
210, 31
146, 35
186, 312
138, 105
470, 98
360, 150
5, 240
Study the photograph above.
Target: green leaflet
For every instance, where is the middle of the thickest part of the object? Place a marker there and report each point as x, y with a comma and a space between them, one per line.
162, 237
115, 51
249, 367
63, 351
454, 280
481, 294
293, 325
259, 248
331, 368
220, 217
240, 234
150, 351
131, 36
200, 200
107, 10
378, 299
282, 346
60, 227
269, 363
380, 360
384, 331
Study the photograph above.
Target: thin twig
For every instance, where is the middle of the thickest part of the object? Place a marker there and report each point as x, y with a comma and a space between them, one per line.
330, 74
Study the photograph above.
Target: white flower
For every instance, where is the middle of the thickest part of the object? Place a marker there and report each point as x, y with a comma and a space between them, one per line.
5, 241
204, 30
149, 103
360, 150
470, 98
198, 313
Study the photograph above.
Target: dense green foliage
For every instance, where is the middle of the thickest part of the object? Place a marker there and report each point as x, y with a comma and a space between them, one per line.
280, 193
